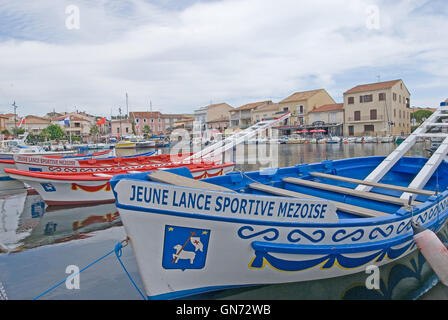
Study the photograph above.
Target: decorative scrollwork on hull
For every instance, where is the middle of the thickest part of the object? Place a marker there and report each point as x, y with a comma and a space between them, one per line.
355, 235
253, 235
319, 233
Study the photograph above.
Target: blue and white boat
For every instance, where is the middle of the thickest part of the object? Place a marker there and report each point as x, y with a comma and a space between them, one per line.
287, 225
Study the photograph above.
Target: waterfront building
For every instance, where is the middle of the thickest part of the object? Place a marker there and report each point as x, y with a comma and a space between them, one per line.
3, 120
301, 103
241, 117
121, 127
153, 119
380, 108
264, 112
330, 117
219, 124
75, 124
31, 124
209, 113
172, 118
185, 123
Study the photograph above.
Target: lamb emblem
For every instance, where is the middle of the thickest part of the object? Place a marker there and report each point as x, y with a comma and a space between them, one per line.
185, 248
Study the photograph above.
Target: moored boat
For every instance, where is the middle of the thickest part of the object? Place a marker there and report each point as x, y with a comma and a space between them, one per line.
7, 183
258, 228
125, 144
92, 188
64, 165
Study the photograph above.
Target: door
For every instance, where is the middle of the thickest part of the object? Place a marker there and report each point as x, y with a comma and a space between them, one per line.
351, 130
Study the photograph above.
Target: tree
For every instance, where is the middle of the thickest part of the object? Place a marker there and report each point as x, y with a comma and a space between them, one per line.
5, 132
52, 132
133, 128
146, 131
420, 115
17, 131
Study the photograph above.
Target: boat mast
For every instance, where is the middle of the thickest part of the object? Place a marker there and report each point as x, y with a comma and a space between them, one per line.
15, 113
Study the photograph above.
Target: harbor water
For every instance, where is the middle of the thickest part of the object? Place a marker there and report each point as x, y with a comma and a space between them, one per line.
46, 244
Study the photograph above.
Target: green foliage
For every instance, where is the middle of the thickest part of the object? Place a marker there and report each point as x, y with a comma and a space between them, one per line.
5, 132
133, 128
17, 131
420, 114
52, 132
94, 129
146, 131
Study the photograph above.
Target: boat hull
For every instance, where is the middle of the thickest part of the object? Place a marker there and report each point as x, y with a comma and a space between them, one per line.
241, 258
60, 192
239, 248
125, 145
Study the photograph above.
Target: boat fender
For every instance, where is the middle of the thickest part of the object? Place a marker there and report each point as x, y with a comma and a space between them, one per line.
434, 251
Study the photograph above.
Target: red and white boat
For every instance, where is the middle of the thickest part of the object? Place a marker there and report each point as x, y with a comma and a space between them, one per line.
6, 183
93, 187
67, 165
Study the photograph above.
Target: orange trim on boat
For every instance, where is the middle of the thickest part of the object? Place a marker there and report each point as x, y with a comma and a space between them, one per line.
105, 187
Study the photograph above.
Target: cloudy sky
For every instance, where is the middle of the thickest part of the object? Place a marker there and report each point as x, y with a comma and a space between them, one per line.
183, 54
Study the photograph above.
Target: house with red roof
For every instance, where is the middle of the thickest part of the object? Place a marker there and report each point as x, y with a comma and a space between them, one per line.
381, 108
331, 115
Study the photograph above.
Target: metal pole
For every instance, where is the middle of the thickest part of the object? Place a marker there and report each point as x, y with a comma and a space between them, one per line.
121, 132
15, 115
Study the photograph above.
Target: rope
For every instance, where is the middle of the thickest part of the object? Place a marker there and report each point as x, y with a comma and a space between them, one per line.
243, 174
118, 252
76, 273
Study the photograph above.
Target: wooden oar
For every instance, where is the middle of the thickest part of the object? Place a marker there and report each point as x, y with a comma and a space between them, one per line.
355, 210
356, 193
181, 181
373, 184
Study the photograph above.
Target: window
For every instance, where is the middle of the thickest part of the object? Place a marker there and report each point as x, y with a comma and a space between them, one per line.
127, 130
399, 114
399, 98
373, 114
395, 113
300, 109
382, 96
366, 98
144, 120
369, 128
351, 100
160, 120
357, 115
333, 117
394, 96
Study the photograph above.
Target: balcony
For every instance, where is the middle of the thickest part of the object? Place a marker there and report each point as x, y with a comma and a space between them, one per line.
379, 118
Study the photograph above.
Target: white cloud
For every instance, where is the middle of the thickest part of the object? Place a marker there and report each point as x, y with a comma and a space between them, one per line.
234, 51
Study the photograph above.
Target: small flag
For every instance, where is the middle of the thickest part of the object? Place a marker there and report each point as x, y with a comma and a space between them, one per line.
67, 121
101, 121
22, 121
